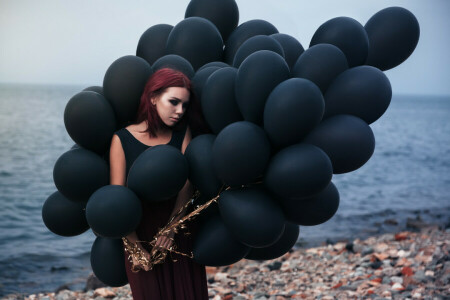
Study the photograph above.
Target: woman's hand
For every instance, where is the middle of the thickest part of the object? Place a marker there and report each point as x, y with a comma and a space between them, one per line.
136, 264
164, 242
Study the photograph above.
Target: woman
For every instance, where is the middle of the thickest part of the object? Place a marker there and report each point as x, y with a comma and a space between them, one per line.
161, 119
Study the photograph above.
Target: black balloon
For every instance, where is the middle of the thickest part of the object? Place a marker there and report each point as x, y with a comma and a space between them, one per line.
281, 247
123, 85
158, 173
107, 261
241, 152
362, 91
213, 64
90, 121
215, 245
257, 76
242, 33
299, 170
95, 88
113, 211
63, 216
293, 109
152, 44
348, 35
197, 40
199, 80
224, 14
256, 43
347, 140
252, 216
313, 210
291, 47
175, 62
321, 64
393, 35
218, 100
79, 172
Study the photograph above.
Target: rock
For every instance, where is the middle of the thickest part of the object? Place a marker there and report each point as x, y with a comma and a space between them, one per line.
93, 283
62, 288
220, 276
397, 279
376, 264
397, 287
367, 251
274, 266
390, 222
104, 293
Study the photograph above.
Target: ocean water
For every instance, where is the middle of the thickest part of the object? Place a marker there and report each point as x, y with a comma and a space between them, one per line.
407, 177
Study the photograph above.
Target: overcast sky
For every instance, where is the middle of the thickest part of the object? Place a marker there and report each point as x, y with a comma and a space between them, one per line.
74, 41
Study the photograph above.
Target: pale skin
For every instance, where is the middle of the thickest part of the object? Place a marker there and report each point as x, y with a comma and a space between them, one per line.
171, 106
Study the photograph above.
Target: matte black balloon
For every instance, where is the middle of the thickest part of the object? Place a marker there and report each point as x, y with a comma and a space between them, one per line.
291, 47
292, 110
321, 64
123, 85
299, 170
175, 62
281, 247
241, 152
78, 173
252, 216
158, 173
312, 210
152, 44
256, 43
90, 121
362, 91
348, 35
113, 211
213, 64
218, 100
347, 140
215, 245
224, 14
201, 172
257, 76
199, 80
107, 261
393, 35
95, 88
242, 33
197, 40
63, 216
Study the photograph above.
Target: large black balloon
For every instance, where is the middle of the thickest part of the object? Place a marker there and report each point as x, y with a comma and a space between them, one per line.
107, 261
63, 216
90, 121
291, 47
201, 172
256, 43
218, 100
200, 78
219, 64
393, 35
252, 216
348, 35
242, 33
241, 152
152, 44
94, 88
197, 40
347, 140
362, 91
313, 210
215, 245
78, 173
224, 14
292, 110
113, 211
257, 76
175, 62
281, 247
321, 64
299, 170
123, 85
158, 173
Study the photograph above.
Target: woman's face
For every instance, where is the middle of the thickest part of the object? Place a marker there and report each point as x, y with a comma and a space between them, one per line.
171, 104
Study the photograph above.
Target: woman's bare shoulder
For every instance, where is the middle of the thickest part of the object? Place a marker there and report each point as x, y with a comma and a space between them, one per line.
137, 128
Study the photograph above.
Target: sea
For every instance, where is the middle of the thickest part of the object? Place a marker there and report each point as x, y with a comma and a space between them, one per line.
407, 178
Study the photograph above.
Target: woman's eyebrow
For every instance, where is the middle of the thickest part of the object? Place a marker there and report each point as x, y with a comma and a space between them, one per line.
179, 100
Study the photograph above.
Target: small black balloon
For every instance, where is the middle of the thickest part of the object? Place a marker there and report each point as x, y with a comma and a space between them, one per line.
348, 35
175, 62
291, 47
152, 44
63, 216
347, 140
200, 78
256, 43
107, 261
95, 88
213, 64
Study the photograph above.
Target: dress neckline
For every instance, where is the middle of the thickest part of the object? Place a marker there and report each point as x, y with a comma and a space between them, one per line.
171, 137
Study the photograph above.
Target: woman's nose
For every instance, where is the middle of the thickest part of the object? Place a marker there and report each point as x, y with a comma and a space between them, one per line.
179, 109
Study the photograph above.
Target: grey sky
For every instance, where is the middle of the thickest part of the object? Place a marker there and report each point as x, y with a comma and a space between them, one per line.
74, 41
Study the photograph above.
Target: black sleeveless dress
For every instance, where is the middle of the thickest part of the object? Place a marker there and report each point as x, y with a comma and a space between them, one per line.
180, 280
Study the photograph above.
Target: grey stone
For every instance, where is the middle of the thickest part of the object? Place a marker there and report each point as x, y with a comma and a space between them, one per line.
366, 251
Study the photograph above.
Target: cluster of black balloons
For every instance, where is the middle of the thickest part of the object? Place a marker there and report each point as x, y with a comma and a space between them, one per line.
283, 120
